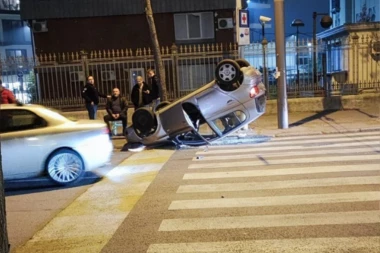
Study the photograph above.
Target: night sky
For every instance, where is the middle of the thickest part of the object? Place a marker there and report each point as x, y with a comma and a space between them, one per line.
301, 9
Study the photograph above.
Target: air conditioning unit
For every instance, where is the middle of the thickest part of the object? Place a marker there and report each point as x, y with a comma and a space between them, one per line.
225, 23
77, 76
108, 75
39, 26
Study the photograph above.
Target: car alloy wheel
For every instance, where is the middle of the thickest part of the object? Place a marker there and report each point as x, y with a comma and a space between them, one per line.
228, 74
65, 166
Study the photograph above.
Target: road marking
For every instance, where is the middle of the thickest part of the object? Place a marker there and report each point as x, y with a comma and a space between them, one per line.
265, 221
292, 145
89, 222
314, 151
310, 245
320, 182
236, 164
282, 172
276, 200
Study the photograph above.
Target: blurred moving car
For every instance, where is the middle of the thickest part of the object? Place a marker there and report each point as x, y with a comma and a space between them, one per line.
233, 100
37, 141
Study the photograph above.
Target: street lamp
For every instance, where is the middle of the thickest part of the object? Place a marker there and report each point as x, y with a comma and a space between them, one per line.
326, 22
297, 23
264, 44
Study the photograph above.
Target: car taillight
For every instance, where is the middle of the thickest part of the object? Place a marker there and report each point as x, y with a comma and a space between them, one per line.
254, 91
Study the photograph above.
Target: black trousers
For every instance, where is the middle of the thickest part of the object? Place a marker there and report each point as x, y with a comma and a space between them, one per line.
108, 118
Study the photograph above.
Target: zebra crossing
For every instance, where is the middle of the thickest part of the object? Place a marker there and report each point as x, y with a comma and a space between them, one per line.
292, 194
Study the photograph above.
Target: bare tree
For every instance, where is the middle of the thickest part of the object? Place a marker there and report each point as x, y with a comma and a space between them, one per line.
156, 48
4, 244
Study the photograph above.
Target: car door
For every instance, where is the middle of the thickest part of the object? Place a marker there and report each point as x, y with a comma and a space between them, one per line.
21, 143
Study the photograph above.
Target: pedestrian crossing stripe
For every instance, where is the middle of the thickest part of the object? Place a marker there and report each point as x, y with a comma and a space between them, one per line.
313, 151
289, 200
284, 171
365, 244
298, 160
254, 186
293, 144
277, 220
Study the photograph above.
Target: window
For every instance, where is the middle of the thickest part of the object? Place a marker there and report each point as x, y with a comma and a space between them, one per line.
15, 32
194, 26
10, 5
19, 120
15, 53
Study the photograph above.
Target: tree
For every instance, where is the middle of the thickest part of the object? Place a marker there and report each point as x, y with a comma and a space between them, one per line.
156, 48
4, 244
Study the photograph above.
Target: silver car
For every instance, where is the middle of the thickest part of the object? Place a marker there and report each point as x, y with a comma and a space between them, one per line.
234, 99
37, 141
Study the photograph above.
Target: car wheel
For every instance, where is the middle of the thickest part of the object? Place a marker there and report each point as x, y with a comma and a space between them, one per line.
143, 122
162, 105
227, 74
65, 166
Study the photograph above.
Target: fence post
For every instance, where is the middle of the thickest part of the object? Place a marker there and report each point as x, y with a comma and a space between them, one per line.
84, 60
174, 54
326, 83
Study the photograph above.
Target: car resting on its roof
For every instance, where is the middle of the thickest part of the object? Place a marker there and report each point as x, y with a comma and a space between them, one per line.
234, 99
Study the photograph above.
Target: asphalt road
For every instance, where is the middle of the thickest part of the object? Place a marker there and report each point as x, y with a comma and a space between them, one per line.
316, 193
32, 203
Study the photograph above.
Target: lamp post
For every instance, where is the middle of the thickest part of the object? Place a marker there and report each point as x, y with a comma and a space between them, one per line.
326, 22
297, 23
264, 44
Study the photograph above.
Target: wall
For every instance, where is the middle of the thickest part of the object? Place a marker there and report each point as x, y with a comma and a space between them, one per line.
114, 32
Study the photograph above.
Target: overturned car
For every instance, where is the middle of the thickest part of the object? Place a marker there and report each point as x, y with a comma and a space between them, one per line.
234, 99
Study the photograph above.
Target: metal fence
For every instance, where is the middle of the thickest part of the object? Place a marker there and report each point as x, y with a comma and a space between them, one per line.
56, 80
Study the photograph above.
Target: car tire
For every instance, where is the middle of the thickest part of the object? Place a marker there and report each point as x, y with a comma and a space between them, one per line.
143, 122
65, 166
228, 74
161, 105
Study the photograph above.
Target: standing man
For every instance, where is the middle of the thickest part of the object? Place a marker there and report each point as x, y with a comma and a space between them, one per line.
117, 109
141, 94
91, 97
6, 96
156, 88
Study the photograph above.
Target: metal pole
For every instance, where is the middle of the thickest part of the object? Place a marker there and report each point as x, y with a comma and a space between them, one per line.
282, 106
264, 44
314, 47
298, 60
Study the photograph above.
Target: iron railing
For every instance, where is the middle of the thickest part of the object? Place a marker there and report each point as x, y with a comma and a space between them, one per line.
56, 80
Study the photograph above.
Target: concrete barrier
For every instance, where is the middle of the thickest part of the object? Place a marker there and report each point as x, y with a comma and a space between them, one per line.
310, 104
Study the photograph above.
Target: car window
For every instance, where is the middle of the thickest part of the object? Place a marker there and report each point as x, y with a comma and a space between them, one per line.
19, 120
229, 121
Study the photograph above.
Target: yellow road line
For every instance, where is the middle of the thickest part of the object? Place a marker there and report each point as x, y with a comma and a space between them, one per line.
88, 223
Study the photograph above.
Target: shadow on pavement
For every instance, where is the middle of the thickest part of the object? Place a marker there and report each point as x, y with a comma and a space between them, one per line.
316, 116
44, 184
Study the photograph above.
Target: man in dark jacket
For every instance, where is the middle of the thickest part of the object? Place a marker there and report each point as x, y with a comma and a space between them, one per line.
141, 94
91, 97
117, 109
156, 88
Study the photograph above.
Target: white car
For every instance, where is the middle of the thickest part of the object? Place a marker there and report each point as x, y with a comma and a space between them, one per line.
37, 141
234, 99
